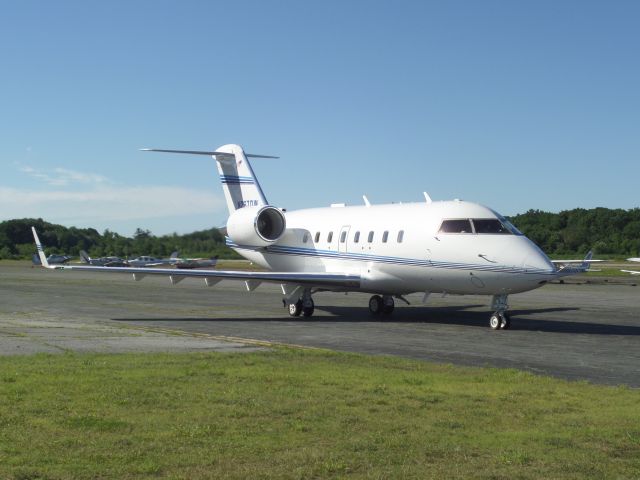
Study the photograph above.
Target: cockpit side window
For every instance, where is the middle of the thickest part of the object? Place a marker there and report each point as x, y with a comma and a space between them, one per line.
490, 225
456, 226
512, 228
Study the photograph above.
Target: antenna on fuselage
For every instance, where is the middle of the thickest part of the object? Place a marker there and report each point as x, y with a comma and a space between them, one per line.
366, 201
427, 197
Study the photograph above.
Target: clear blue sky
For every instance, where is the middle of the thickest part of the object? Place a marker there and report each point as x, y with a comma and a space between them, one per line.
516, 105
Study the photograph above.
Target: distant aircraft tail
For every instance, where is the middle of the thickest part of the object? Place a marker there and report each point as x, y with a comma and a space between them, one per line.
239, 183
84, 256
43, 257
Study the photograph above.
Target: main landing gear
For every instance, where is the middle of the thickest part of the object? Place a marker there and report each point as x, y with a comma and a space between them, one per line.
384, 304
500, 319
304, 306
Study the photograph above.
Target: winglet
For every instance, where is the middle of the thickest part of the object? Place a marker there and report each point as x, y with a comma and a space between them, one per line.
43, 257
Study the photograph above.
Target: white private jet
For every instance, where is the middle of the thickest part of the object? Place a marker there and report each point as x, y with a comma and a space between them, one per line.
449, 247
632, 272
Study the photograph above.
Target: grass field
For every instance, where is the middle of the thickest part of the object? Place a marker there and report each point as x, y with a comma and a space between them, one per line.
305, 414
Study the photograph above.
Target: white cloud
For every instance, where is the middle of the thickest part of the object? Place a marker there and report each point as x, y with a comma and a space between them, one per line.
106, 204
88, 199
62, 177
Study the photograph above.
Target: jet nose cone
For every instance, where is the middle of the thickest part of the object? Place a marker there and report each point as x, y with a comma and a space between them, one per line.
537, 260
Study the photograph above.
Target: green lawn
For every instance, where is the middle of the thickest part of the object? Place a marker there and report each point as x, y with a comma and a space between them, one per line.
305, 414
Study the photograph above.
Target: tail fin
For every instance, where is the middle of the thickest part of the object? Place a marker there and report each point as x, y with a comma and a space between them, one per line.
586, 263
43, 257
239, 183
84, 256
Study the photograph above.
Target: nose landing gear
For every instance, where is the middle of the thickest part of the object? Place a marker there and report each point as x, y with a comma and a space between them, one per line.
500, 320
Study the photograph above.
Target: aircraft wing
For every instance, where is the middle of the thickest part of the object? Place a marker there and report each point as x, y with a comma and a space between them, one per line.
252, 279
569, 262
319, 279
632, 272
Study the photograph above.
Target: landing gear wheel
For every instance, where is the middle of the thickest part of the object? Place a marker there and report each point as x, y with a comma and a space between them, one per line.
295, 309
376, 305
495, 322
505, 321
307, 308
388, 305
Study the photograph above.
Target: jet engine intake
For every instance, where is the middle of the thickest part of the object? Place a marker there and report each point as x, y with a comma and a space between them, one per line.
256, 226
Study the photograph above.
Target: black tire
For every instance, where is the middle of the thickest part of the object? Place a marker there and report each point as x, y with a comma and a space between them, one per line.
376, 305
295, 309
505, 321
388, 305
308, 308
495, 322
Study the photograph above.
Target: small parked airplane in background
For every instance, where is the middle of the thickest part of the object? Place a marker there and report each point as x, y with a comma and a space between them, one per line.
102, 261
188, 263
632, 272
148, 261
52, 259
389, 251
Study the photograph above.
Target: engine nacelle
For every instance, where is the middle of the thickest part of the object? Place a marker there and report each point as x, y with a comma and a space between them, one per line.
256, 226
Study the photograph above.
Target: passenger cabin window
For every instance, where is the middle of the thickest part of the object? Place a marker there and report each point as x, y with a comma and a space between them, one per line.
356, 237
343, 237
385, 236
400, 236
456, 226
305, 237
370, 239
329, 237
489, 225
317, 237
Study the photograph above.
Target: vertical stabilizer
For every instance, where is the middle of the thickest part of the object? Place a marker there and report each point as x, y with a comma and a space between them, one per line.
43, 257
239, 183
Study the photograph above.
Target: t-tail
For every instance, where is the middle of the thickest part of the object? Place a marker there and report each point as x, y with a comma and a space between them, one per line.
43, 257
239, 183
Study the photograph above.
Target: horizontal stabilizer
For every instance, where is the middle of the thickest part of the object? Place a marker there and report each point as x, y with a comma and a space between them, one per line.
198, 152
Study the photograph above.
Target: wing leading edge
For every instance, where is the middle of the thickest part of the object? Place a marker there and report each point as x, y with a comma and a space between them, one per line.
316, 279
320, 279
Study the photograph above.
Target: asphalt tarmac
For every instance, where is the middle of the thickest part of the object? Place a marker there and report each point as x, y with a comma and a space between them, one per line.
575, 331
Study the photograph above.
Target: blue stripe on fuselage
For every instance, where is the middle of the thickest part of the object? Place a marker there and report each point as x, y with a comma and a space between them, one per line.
363, 257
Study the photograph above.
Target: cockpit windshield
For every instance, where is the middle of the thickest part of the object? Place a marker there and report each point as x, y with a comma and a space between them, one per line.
489, 225
512, 228
480, 226
456, 226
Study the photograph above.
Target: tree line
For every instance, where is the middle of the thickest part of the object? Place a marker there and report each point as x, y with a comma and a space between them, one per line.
16, 241
605, 231
570, 232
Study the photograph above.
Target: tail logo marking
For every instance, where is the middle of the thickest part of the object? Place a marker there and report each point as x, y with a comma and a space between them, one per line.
247, 203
